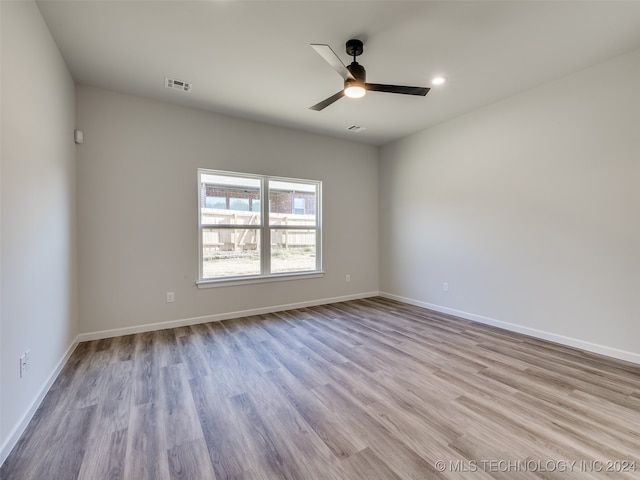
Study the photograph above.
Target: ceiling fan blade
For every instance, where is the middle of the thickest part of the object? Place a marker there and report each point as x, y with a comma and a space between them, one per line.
326, 52
403, 89
328, 101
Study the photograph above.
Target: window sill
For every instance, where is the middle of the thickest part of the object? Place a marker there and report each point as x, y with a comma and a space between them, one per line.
228, 282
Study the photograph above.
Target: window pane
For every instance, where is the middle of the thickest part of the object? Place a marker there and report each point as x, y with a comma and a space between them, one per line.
299, 206
225, 199
293, 250
215, 202
230, 252
292, 203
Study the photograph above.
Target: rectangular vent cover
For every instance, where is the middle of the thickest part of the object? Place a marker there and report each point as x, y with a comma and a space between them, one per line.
174, 84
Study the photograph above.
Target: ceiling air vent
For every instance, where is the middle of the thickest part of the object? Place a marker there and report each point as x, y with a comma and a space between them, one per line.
177, 84
356, 128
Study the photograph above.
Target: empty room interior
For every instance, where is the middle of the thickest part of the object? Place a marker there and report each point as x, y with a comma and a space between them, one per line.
256, 240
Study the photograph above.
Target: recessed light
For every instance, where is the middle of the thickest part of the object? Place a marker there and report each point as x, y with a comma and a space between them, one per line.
438, 81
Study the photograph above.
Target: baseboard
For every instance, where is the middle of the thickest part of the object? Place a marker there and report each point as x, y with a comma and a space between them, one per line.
541, 334
150, 327
19, 429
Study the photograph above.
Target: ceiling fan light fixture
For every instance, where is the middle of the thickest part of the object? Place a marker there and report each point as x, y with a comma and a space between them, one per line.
354, 89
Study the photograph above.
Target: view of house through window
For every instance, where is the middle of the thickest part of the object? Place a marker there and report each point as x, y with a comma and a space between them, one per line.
257, 226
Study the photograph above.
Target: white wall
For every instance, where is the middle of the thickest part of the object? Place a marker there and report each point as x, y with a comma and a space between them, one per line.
38, 279
137, 204
529, 209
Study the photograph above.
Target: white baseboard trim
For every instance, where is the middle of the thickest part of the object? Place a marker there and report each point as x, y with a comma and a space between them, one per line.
541, 334
150, 327
21, 426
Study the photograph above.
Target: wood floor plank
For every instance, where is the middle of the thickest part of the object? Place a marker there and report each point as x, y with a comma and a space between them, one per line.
298, 363
275, 455
107, 458
400, 458
225, 447
71, 438
146, 447
473, 450
178, 417
292, 434
523, 428
107, 437
321, 420
195, 358
365, 464
146, 370
369, 388
167, 348
190, 461
115, 398
36, 438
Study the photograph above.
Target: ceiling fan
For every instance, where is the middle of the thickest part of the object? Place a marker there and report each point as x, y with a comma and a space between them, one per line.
355, 76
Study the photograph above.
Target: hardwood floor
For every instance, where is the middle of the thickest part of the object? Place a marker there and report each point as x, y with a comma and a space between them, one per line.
367, 389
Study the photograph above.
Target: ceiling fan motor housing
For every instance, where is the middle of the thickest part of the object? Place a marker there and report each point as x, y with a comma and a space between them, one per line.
358, 71
359, 75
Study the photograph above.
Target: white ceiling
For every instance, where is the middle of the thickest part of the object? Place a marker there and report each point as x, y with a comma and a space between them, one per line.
253, 60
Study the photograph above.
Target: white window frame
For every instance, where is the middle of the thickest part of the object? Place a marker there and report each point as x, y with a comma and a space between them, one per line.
265, 233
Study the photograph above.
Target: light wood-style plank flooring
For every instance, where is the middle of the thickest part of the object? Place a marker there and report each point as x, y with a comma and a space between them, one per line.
368, 389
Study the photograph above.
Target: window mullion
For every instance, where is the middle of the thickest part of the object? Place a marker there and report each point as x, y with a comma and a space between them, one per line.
318, 227
265, 251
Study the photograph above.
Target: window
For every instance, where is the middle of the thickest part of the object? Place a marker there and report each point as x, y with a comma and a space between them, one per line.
254, 227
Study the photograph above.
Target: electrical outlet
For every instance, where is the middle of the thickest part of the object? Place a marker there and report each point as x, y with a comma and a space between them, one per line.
445, 287
170, 297
347, 279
